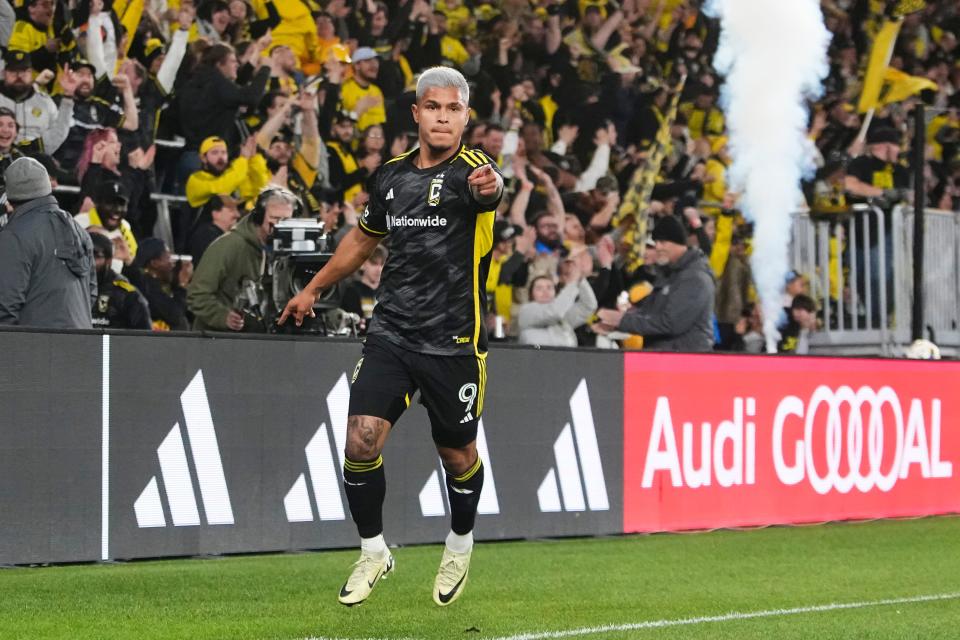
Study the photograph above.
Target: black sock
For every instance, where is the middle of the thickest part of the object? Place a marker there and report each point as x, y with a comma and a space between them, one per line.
464, 494
365, 486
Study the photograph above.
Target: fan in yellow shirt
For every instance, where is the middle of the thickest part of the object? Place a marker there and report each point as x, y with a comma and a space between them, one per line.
359, 94
243, 178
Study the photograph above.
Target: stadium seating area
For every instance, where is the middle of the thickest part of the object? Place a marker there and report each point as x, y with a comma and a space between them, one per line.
132, 102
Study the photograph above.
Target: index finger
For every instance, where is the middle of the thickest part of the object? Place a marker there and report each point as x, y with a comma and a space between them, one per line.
284, 316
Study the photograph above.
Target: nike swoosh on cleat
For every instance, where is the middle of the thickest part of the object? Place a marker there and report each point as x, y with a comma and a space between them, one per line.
343, 591
355, 484
370, 583
446, 598
463, 491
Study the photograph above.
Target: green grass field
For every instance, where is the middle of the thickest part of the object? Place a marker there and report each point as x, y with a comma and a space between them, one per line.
525, 588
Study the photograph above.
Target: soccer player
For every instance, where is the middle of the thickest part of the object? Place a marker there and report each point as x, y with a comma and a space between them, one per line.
437, 205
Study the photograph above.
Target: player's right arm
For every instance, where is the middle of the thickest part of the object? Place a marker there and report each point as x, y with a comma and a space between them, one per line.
351, 253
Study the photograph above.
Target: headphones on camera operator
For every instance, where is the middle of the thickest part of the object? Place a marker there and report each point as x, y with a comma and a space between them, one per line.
260, 205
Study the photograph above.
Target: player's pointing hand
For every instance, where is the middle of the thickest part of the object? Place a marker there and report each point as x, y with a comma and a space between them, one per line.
484, 181
300, 305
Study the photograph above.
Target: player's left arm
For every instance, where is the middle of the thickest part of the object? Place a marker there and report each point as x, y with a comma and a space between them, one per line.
486, 185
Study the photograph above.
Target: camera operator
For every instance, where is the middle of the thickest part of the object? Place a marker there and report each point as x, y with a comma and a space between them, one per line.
235, 261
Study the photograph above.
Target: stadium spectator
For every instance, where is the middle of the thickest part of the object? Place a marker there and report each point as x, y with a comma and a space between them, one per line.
119, 304
299, 167
47, 274
99, 161
233, 262
360, 294
92, 111
164, 285
213, 21
283, 67
41, 125
209, 100
550, 319
8, 137
372, 142
360, 95
347, 173
36, 34
678, 314
878, 175
297, 29
508, 269
733, 294
241, 179
217, 216
110, 201
795, 336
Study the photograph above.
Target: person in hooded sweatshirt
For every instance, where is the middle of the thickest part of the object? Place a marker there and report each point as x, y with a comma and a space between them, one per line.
47, 276
678, 314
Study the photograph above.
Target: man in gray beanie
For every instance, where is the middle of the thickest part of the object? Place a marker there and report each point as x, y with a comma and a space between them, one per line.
47, 276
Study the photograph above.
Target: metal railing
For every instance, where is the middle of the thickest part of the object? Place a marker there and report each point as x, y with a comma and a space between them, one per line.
864, 284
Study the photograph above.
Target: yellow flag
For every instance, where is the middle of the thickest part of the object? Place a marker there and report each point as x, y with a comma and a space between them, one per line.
129, 14
632, 214
898, 86
879, 59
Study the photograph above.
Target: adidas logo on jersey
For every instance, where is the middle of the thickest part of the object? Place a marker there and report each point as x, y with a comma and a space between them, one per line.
404, 221
389, 194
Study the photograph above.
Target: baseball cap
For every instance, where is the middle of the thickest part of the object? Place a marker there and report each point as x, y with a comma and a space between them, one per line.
503, 230
343, 116
210, 143
364, 53
80, 63
16, 60
882, 134
111, 191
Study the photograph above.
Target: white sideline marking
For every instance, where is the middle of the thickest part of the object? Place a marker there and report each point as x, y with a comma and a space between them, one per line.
726, 617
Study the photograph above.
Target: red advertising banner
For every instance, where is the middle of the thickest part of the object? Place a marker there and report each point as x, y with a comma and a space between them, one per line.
720, 441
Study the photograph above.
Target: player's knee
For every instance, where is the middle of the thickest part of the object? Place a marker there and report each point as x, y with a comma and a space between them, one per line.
459, 460
364, 439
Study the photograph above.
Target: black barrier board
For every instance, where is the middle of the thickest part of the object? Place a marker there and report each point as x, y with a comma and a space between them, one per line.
50, 447
223, 446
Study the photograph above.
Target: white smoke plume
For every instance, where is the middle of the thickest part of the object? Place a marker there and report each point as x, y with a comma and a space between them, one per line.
773, 54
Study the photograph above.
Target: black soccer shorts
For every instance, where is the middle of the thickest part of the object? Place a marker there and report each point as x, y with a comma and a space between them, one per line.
451, 388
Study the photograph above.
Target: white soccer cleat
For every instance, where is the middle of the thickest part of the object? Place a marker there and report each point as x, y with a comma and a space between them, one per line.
451, 577
367, 572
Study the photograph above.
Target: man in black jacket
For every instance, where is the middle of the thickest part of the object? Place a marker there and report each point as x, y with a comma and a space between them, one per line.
119, 305
209, 101
163, 285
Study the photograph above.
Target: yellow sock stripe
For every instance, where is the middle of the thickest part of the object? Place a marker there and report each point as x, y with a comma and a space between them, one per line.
361, 467
470, 472
406, 398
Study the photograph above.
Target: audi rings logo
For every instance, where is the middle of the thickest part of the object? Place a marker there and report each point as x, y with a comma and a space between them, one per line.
856, 440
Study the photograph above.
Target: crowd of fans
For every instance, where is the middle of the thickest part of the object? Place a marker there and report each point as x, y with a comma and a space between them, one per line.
568, 96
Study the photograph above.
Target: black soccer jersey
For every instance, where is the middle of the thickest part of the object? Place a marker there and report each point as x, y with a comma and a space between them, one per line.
432, 295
